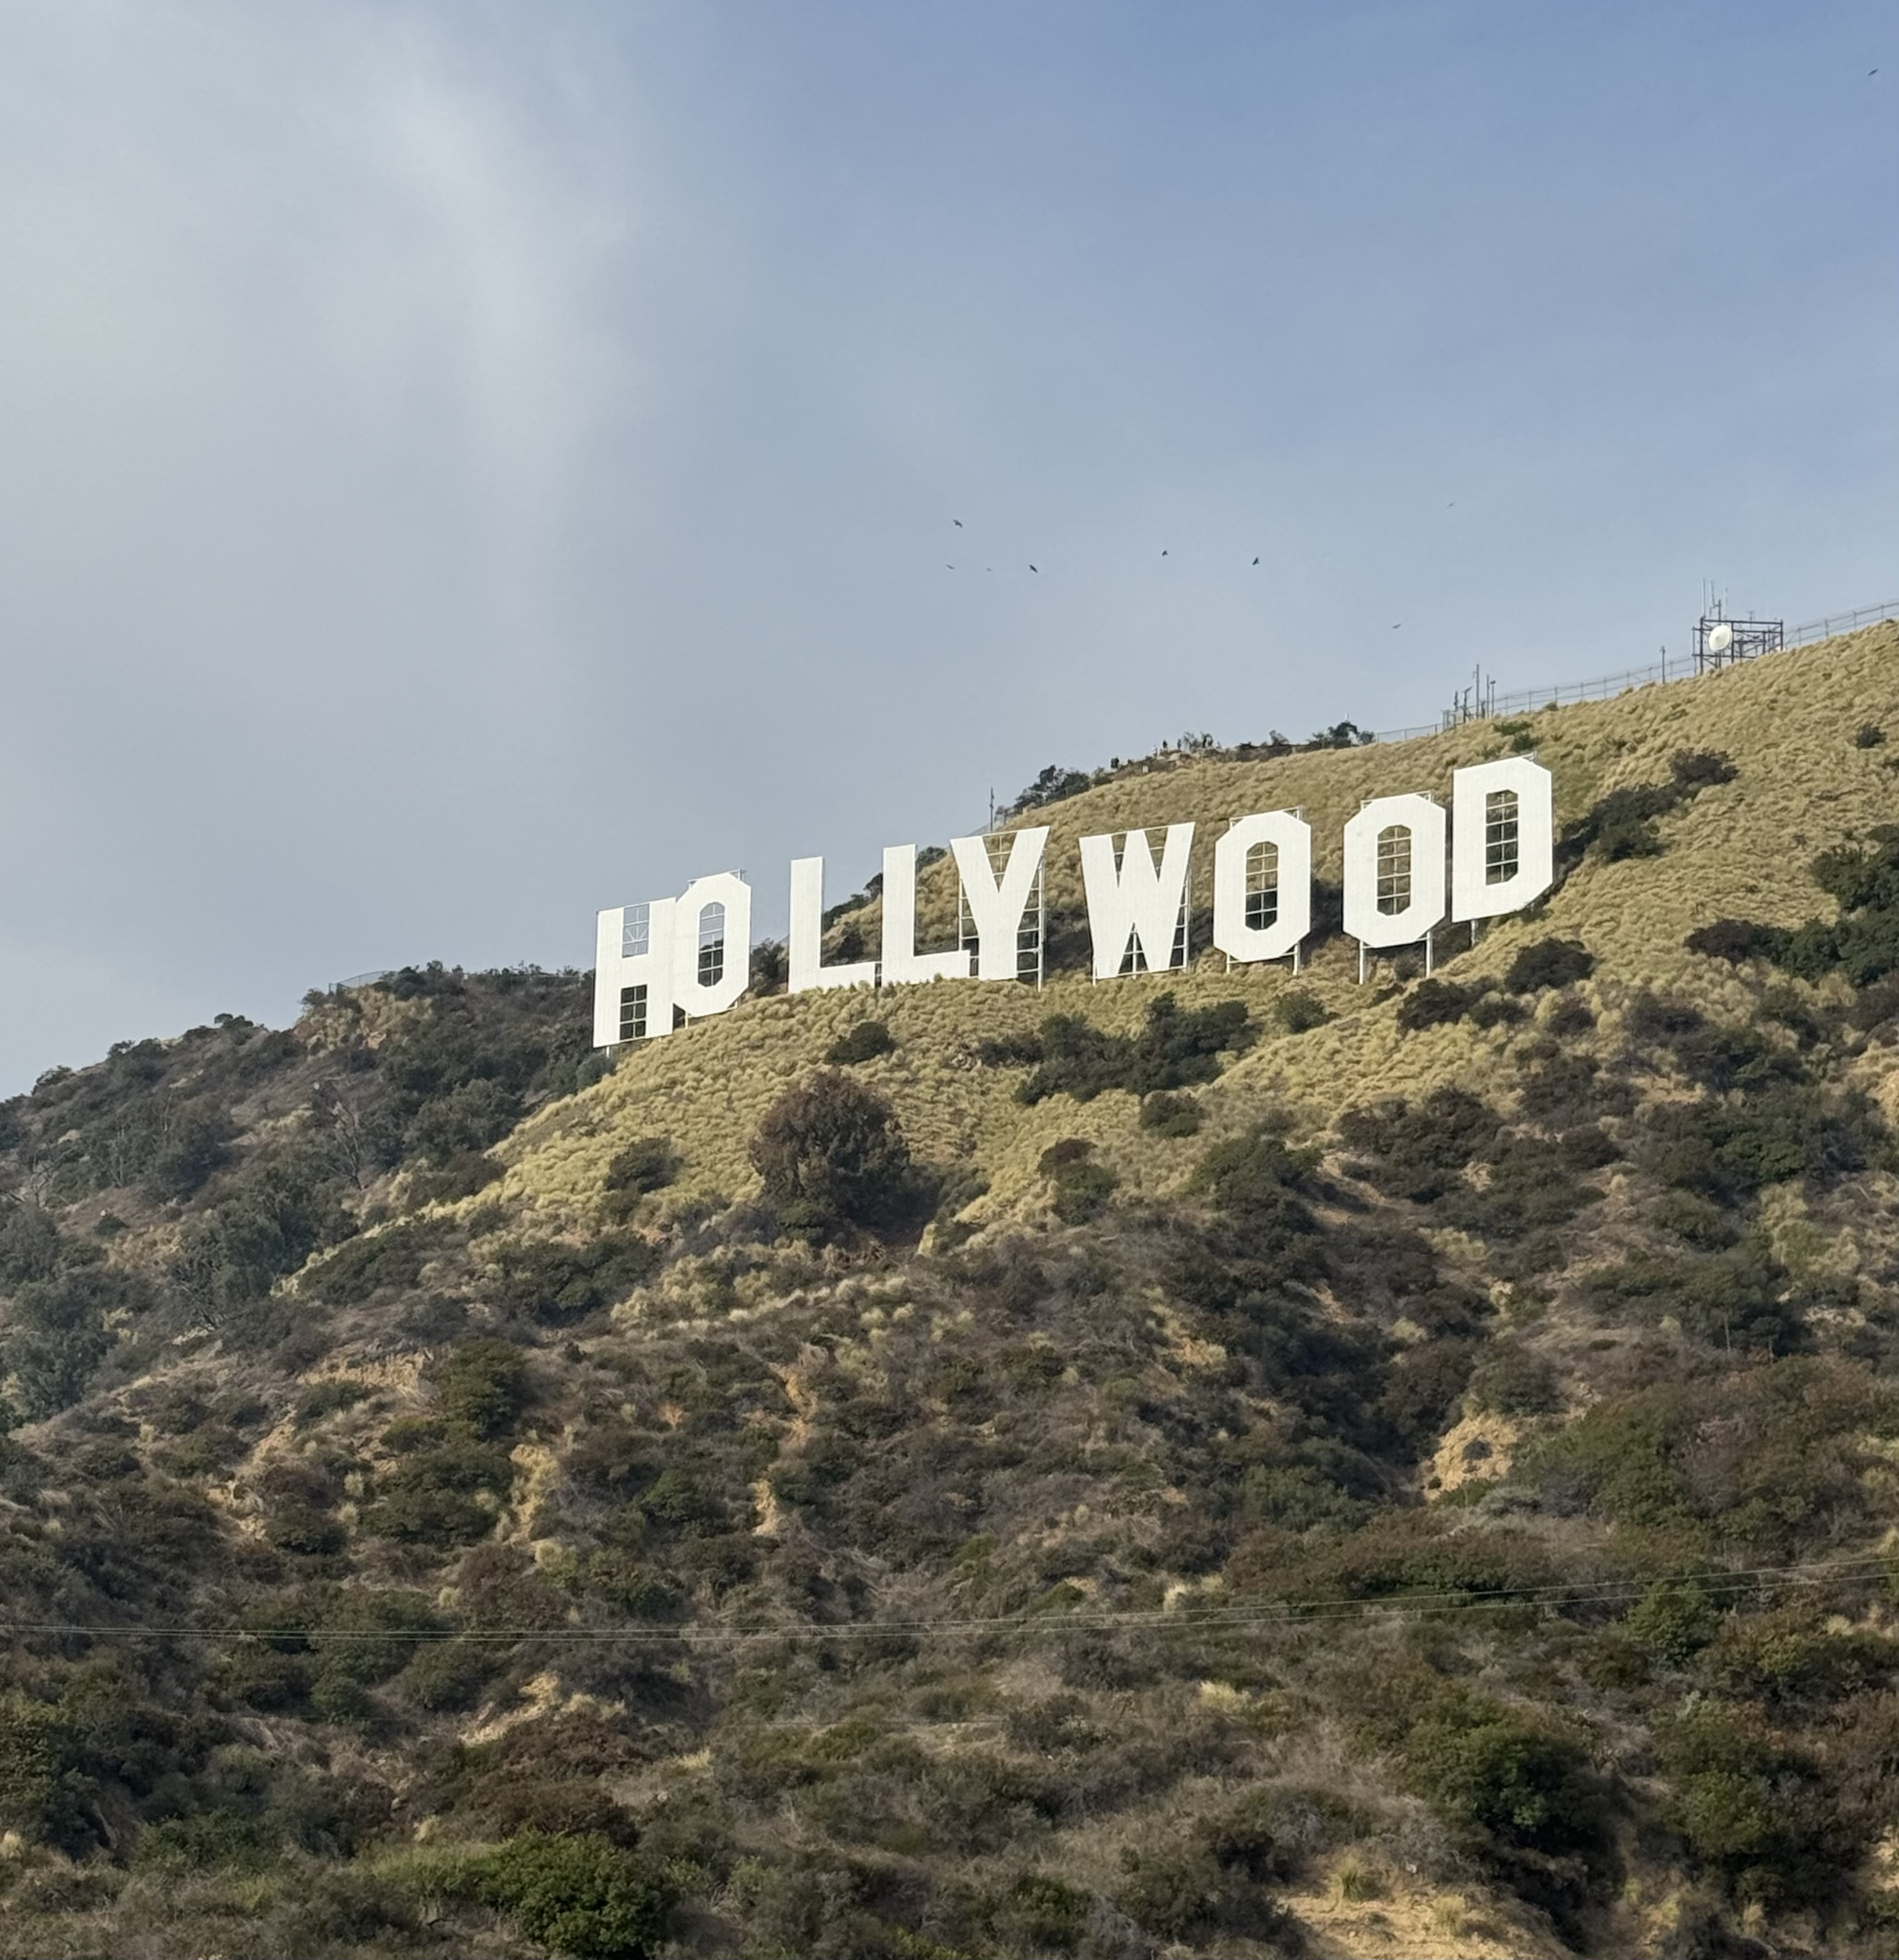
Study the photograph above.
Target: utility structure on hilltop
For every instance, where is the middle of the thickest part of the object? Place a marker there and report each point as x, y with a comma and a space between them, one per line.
1722, 642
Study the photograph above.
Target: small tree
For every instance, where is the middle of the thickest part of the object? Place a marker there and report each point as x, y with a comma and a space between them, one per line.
831, 1149
484, 1387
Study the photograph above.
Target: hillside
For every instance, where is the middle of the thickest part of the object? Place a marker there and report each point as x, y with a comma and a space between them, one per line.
1223, 1463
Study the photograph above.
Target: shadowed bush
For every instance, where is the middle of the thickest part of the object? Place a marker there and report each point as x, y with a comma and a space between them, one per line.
1550, 963
831, 1150
1178, 1048
863, 1042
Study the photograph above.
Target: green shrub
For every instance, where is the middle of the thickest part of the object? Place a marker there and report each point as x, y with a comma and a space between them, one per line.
1037, 1912
554, 1281
336, 1698
1796, 1659
389, 1260
1178, 1048
646, 1165
482, 1388
864, 1041
583, 1896
1725, 1150
978, 1801
1869, 735
306, 1530
831, 1149
43, 1795
448, 1677
335, 1908
1749, 1809
1738, 940
326, 1397
1433, 1004
1674, 1620
1170, 1115
266, 1679
1510, 1380
1703, 1224
29, 1243
220, 1840
959, 1190
1531, 1189
1693, 769
1861, 942
1549, 963
1083, 1186
463, 1122
1767, 1457
59, 1334
1498, 1011
1627, 835
459, 1176
769, 967
678, 1501
371, 1635
560, 1807
1418, 1148
195, 1141
1181, 1889
1299, 1499
1257, 1181
1423, 1386
1503, 1776
1300, 1010
434, 1496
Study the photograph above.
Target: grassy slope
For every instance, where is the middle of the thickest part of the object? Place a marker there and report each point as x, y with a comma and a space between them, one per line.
1740, 849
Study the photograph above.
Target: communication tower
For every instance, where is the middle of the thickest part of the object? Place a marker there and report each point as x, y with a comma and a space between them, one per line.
1722, 642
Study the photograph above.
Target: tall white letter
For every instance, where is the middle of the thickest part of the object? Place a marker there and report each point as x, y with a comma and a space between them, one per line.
996, 909
1503, 837
1137, 899
902, 961
712, 943
633, 973
1289, 918
806, 959
1395, 870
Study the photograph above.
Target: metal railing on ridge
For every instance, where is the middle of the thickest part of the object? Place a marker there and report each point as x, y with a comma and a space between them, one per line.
1532, 700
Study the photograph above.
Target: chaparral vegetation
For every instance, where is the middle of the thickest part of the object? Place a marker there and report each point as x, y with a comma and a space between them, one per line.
1218, 1462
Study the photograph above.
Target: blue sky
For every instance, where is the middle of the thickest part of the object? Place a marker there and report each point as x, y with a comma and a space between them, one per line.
461, 465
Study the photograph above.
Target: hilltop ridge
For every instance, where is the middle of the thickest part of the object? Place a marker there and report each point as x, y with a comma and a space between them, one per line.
1219, 1461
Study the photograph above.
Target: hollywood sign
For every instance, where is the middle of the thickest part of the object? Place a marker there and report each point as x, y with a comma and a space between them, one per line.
1407, 859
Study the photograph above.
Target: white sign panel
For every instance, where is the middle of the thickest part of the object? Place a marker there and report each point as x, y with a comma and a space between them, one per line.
1136, 899
690, 954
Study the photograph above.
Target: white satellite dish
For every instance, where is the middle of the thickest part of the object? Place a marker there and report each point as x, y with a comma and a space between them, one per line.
1720, 638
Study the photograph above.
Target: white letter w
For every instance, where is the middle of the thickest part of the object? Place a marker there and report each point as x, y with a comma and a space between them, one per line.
1135, 899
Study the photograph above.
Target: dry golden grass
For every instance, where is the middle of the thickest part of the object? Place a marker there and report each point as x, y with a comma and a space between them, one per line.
1738, 849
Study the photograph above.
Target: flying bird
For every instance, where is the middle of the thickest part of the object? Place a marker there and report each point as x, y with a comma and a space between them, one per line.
1255, 560
1396, 624
1164, 552
1032, 567
957, 522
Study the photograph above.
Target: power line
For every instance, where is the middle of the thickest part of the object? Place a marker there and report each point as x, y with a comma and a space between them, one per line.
1285, 1612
